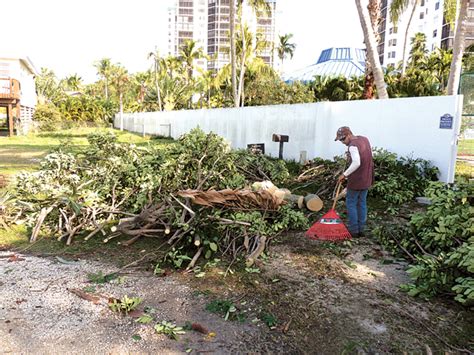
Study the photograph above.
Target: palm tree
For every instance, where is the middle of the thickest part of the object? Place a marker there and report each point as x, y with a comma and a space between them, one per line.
397, 8
375, 16
418, 50
73, 82
188, 53
458, 49
47, 87
120, 80
140, 80
285, 47
255, 6
233, 59
156, 67
372, 53
439, 63
104, 67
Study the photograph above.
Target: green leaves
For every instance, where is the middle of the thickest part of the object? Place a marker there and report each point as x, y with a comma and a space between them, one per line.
126, 304
169, 329
442, 241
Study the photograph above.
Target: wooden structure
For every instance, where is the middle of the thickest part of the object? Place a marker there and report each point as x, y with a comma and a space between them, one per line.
10, 96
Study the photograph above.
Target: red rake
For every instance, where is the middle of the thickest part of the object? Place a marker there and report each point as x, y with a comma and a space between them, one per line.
330, 226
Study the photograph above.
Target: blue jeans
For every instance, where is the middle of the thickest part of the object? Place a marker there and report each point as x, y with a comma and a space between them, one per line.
356, 203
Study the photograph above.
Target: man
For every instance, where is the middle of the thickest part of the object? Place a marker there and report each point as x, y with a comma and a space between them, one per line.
359, 175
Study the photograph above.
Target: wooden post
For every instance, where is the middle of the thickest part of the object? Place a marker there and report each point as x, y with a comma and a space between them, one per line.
18, 116
10, 119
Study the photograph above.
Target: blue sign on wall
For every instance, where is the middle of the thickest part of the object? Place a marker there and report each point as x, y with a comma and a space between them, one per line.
446, 121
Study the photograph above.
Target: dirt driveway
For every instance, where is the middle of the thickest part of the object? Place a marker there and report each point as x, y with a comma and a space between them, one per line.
306, 297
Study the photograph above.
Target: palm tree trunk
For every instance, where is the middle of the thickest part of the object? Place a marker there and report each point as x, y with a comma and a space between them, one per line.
157, 86
232, 53
240, 93
458, 49
372, 54
106, 89
121, 111
241, 79
405, 40
374, 13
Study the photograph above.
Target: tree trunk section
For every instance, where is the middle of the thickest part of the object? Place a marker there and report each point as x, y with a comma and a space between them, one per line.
458, 49
372, 53
232, 53
404, 59
313, 203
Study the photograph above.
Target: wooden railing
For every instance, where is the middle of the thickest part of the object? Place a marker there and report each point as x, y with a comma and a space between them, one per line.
10, 89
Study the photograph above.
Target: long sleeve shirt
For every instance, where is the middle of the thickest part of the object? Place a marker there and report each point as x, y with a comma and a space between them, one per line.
355, 161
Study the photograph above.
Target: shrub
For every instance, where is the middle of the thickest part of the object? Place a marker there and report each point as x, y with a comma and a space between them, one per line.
440, 241
48, 117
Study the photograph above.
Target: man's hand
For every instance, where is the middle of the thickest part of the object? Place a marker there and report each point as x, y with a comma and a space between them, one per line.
341, 178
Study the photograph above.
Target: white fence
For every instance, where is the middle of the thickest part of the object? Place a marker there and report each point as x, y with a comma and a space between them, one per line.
423, 127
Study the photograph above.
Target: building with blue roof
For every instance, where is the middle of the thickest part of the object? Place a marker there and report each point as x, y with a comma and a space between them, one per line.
347, 62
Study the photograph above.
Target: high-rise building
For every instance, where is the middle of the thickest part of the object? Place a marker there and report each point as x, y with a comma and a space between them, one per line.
207, 23
187, 20
428, 18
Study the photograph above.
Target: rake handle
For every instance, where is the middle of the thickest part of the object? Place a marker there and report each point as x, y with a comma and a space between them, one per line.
338, 188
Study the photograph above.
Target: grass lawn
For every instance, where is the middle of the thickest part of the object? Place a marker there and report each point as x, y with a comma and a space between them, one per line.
466, 147
22, 153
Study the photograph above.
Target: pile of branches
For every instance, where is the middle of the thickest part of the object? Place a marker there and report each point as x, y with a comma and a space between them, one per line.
121, 190
439, 243
397, 179
319, 176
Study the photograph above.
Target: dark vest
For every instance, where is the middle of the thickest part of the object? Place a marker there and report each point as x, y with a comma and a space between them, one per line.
363, 177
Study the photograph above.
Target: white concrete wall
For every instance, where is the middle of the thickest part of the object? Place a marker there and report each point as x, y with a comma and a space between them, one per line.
409, 126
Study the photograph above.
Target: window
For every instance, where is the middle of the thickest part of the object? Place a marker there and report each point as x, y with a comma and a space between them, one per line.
422, 3
435, 32
395, 29
437, 6
390, 54
393, 54
394, 42
422, 15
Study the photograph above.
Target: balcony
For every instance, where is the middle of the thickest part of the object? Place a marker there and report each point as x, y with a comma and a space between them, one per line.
10, 89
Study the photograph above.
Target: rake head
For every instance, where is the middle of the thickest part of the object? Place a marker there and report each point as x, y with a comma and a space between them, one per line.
329, 227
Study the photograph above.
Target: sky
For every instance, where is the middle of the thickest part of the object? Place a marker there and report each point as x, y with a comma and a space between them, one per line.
69, 36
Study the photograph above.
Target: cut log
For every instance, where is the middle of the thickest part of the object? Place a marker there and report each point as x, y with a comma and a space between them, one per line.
313, 203
296, 199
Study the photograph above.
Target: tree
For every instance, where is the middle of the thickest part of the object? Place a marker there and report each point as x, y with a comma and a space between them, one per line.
285, 47
47, 87
255, 5
458, 49
372, 53
120, 80
73, 82
156, 67
397, 8
233, 59
188, 53
369, 82
104, 67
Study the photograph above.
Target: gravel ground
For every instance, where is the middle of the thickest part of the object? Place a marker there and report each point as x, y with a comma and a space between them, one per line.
39, 313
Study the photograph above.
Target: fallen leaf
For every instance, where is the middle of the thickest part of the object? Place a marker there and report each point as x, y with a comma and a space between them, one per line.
85, 295
15, 258
199, 328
